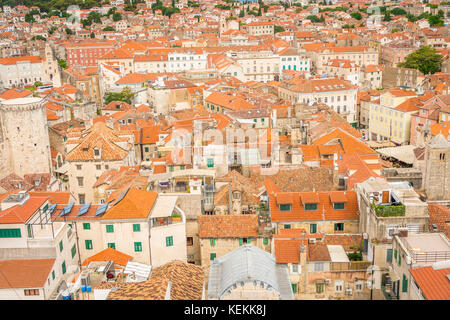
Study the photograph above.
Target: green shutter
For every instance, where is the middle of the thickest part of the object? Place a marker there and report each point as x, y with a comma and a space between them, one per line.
249, 240
212, 256
86, 226
10, 233
240, 241
112, 245
312, 228
74, 250
60, 246
399, 260
63, 267
88, 244
404, 284
389, 255
136, 227
294, 287
212, 242
169, 241
137, 246
109, 228
210, 163
395, 254
30, 234
53, 275
266, 241
287, 226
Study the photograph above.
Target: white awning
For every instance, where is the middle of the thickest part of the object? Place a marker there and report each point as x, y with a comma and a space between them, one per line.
164, 206
337, 253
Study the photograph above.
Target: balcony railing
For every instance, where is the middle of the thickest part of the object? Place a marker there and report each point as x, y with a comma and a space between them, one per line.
388, 294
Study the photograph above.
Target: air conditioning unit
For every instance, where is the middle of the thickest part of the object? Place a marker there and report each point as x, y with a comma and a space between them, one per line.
349, 291
312, 240
84, 278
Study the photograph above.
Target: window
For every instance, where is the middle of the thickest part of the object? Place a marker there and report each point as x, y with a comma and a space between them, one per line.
137, 247
212, 256
287, 226
266, 241
389, 255
399, 260
98, 166
146, 149
313, 228
294, 287
310, 206
319, 287
338, 227
169, 241
318, 266
338, 286
190, 241
136, 227
53, 275
31, 292
73, 250
78, 166
210, 163
404, 284
109, 228
112, 245
81, 198
60, 246
10, 233
88, 244
86, 226
285, 207
294, 268
339, 205
63, 267
80, 181
212, 242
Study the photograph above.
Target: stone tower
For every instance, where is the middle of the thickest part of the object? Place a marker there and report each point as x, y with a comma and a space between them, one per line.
436, 171
24, 140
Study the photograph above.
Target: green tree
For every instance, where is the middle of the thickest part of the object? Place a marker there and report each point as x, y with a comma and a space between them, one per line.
425, 59
117, 16
356, 15
241, 13
69, 31
109, 28
278, 29
62, 63
387, 16
92, 35
38, 84
435, 21
398, 12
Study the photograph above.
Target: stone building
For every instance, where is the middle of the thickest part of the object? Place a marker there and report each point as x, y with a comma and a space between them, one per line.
248, 273
436, 170
24, 139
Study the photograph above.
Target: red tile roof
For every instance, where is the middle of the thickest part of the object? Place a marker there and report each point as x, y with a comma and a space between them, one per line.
25, 273
434, 283
108, 254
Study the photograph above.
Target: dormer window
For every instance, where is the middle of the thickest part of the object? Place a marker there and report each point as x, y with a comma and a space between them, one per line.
338, 205
285, 207
310, 206
96, 152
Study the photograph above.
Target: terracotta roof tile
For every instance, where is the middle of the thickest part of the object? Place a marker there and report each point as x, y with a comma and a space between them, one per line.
25, 273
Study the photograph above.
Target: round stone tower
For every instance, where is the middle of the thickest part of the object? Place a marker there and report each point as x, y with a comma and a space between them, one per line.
24, 141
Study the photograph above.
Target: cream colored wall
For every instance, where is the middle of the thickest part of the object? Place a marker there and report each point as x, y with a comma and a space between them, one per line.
350, 226
90, 175
160, 254
227, 245
251, 292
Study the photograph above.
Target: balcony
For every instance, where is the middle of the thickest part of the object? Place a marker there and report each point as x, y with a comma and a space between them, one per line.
389, 210
387, 292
